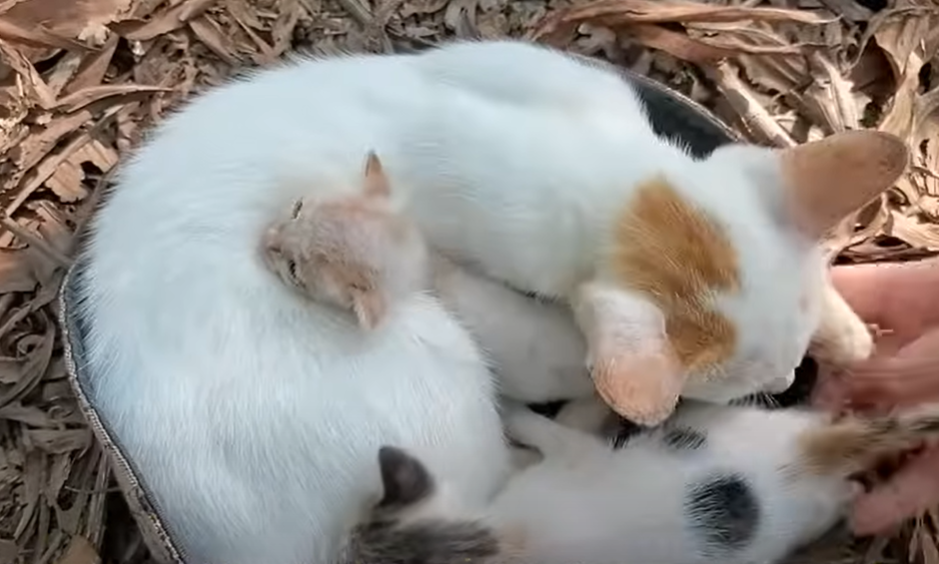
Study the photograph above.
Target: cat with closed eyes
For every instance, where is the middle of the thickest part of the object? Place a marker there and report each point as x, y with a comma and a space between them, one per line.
252, 416
359, 253
706, 486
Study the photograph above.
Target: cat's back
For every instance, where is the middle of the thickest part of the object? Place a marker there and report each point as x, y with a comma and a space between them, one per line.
532, 75
626, 505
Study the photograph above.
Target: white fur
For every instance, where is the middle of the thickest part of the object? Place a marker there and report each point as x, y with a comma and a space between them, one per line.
252, 417
535, 347
585, 502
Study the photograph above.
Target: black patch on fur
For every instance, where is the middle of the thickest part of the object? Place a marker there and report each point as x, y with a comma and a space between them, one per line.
425, 542
684, 438
404, 478
723, 512
623, 431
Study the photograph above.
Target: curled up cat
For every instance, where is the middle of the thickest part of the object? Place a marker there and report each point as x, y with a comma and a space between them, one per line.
705, 487
686, 276
252, 417
359, 253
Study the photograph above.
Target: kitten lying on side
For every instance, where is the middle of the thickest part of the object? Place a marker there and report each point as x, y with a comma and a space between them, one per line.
358, 253
705, 487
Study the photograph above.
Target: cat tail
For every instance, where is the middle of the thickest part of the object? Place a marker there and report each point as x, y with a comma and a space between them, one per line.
855, 444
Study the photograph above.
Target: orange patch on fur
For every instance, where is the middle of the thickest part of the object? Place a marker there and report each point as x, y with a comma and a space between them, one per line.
679, 257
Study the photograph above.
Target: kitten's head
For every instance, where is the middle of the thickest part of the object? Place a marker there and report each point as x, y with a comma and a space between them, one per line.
412, 524
354, 251
711, 286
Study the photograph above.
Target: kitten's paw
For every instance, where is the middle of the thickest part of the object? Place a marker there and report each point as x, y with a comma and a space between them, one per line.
587, 414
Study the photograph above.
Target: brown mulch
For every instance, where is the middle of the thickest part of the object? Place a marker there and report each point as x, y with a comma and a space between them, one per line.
81, 80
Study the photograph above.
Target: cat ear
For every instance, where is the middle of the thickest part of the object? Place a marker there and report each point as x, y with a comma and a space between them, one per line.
633, 365
376, 183
826, 180
405, 480
370, 307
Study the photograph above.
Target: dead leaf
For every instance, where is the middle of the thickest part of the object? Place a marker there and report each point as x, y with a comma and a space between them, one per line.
80, 551
74, 19
168, 21
60, 441
40, 91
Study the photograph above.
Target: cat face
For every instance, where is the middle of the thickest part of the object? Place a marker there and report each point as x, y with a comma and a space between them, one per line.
410, 524
353, 252
712, 285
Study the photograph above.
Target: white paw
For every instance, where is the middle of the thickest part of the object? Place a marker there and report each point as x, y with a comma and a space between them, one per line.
852, 345
584, 414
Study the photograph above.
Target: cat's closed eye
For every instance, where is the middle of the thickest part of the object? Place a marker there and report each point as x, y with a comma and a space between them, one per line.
297, 206
292, 271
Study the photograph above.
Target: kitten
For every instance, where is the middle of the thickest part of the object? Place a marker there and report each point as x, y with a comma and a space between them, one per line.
696, 277
356, 251
352, 251
691, 491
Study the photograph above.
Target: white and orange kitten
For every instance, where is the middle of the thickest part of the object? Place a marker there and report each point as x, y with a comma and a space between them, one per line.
357, 252
707, 486
252, 417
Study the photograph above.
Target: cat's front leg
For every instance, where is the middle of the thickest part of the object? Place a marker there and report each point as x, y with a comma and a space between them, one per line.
549, 437
841, 337
535, 347
588, 414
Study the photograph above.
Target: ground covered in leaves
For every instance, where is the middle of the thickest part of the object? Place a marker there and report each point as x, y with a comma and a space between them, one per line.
81, 80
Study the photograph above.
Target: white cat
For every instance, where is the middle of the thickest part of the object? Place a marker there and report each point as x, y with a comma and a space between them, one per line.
693, 277
359, 254
252, 418
705, 487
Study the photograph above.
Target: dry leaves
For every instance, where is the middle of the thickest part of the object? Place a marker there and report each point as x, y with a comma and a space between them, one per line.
80, 80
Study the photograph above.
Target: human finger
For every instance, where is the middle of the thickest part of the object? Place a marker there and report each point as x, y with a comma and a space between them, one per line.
902, 298
908, 378
913, 489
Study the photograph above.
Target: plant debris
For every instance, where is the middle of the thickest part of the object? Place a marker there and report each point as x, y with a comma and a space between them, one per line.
81, 80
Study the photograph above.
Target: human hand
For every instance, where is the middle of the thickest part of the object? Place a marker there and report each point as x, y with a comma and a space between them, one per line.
903, 300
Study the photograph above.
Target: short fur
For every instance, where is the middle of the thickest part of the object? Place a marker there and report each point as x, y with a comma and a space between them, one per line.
253, 416
535, 348
652, 503
351, 251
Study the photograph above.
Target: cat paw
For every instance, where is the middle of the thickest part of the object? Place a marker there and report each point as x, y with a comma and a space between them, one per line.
584, 414
853, 345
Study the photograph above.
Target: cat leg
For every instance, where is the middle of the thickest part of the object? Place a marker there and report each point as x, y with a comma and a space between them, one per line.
841, 338
588, 414
535, 347
549, 437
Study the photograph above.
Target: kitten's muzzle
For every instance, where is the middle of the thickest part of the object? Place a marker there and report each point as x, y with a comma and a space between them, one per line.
271, 241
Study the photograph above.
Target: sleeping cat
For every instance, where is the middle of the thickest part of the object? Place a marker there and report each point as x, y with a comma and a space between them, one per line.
358, 253
686, 276
705, 487
682, 272
252, 417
